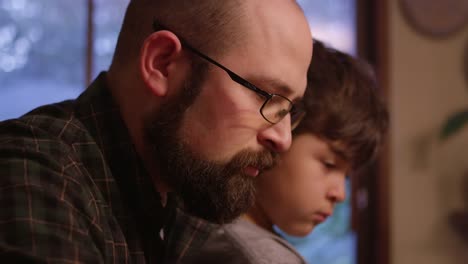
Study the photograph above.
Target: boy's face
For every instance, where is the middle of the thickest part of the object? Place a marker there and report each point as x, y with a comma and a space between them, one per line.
302, 190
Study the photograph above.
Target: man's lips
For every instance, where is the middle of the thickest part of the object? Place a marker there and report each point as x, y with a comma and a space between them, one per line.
252, 171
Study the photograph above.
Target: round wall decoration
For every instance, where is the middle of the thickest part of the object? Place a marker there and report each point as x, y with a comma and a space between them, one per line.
465, 63
436, 18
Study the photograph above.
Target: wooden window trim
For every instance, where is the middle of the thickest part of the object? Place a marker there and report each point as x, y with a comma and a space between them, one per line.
89, 42
372, 223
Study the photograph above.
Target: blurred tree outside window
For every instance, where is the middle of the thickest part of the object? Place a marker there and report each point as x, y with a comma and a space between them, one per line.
108, 18
42, 47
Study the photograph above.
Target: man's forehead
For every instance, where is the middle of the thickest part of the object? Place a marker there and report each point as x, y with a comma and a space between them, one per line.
279, 46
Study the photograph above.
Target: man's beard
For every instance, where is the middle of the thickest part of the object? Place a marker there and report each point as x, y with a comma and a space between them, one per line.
215, 191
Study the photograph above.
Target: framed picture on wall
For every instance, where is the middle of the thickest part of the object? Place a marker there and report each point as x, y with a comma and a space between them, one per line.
436, 18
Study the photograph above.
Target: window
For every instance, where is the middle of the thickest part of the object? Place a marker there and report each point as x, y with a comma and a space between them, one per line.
32, 72
38, 65
108, 17
333, 22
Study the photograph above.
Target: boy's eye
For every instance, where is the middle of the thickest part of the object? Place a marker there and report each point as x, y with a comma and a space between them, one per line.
329, 165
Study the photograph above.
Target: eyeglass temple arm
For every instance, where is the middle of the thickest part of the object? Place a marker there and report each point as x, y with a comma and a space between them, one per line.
158, 26
233, 76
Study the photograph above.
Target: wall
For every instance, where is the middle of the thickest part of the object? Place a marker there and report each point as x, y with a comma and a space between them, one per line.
426, 85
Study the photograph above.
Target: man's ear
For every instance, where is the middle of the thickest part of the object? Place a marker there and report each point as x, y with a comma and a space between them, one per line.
159, 50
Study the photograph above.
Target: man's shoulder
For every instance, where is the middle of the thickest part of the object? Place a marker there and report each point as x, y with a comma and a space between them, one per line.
46, 192
53, 127
41, 142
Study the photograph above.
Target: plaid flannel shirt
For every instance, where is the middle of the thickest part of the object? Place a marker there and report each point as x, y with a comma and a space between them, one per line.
73, 190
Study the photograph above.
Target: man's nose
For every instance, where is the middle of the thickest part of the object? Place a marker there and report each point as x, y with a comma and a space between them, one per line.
277, 137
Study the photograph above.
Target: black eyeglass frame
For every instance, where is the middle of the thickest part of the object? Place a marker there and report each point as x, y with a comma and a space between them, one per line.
296, 111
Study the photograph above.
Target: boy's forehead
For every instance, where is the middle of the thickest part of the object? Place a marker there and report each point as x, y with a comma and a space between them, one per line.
338, 148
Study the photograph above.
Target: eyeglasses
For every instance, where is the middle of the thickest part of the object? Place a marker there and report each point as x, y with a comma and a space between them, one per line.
275, 107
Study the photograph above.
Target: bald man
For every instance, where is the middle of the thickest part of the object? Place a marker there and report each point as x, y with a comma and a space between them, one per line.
199, 98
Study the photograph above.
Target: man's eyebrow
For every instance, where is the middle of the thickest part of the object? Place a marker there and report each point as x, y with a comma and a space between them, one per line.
270, 85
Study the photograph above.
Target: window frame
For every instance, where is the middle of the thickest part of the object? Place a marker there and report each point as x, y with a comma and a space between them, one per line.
372, 221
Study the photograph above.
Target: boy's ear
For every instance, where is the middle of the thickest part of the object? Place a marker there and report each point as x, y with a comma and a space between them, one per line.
159, 50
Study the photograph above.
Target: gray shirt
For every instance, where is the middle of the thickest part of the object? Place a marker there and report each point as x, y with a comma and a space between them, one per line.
245, 242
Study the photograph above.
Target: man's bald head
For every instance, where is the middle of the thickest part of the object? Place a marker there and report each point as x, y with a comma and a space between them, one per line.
211, 25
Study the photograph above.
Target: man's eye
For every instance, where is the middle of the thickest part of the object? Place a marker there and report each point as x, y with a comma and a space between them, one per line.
260, 97
282, 113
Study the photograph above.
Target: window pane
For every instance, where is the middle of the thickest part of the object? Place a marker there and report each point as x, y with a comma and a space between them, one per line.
333, 242
42, 48
333, 21
108, 18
